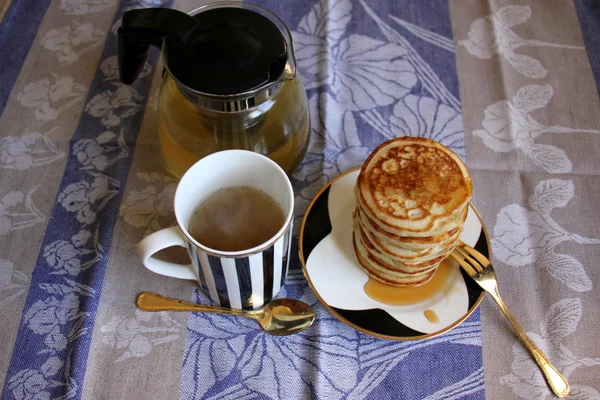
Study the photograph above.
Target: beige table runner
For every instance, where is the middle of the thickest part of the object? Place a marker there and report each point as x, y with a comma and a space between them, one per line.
532, 129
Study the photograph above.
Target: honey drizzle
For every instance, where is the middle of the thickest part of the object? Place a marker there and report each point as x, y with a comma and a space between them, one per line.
400, 296
431, 316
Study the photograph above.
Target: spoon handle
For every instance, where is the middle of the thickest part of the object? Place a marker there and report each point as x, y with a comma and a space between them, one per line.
149, 301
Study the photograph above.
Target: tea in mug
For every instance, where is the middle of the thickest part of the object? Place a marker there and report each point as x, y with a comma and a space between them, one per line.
236, 218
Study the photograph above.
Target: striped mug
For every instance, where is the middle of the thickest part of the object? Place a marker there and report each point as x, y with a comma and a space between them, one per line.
244, 279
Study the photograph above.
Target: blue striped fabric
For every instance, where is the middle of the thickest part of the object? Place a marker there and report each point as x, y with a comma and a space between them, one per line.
84, 215
588, 12
17, 32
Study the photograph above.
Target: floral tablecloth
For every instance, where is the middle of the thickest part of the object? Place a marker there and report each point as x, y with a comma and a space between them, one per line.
510, 85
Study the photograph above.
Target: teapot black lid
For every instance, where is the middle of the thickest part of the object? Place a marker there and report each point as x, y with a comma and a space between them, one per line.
220, 51
231, 50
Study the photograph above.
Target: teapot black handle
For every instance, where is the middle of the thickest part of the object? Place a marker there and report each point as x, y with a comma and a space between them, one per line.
145, 27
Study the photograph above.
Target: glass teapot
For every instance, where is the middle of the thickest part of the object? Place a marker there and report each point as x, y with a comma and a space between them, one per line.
229, 82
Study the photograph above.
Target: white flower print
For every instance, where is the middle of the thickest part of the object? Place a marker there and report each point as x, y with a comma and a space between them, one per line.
67, 286
17, 211
153, 204
507, 126
101, 153
334, 145
493, 35
12, 282
62, 255
48, 98
71, 257
138, 335
86, 198
361, 72
105, 105
75, 198
366, 73
524, 237
421, 116
245, 349
319, 169
29, 150
51, 366
44, 315
90, 153
560, 321
110, 69
55, 340
82, 7
315, 22
29, 384
47, 317
334, 148
72, 41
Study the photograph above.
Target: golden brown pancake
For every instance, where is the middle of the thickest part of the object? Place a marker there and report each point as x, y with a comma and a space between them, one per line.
397, 253
373, 268
390, 262
404, 256
413, 185
411, 242
443, 225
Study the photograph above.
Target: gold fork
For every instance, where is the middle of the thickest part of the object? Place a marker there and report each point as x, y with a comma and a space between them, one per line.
480, 269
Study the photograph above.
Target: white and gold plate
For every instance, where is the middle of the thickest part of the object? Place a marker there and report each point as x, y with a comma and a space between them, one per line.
332, 271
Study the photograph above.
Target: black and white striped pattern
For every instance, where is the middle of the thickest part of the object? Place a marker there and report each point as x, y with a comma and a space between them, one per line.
245, 282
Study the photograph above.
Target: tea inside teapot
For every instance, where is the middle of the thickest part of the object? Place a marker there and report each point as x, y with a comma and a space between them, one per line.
187, 133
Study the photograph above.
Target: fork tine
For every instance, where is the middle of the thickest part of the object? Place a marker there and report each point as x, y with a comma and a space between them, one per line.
460, 250
480, 257
474, 264
464, 264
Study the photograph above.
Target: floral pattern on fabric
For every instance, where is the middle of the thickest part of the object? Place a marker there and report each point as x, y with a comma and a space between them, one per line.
57, 322
493, 35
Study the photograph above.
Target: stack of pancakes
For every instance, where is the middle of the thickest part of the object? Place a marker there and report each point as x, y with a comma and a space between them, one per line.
412, 199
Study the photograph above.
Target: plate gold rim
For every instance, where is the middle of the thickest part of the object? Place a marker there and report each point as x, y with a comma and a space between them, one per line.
359, 328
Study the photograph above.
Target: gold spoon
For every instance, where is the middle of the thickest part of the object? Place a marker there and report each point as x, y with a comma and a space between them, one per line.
279, 317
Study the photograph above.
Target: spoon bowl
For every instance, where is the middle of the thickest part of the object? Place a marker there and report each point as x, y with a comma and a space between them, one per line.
286, 316
279, 317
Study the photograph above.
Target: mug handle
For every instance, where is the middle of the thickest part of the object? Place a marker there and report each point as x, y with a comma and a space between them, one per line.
160, 240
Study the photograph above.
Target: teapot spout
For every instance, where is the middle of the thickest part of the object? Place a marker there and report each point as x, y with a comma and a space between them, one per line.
288, 68
283, 68
289, 73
